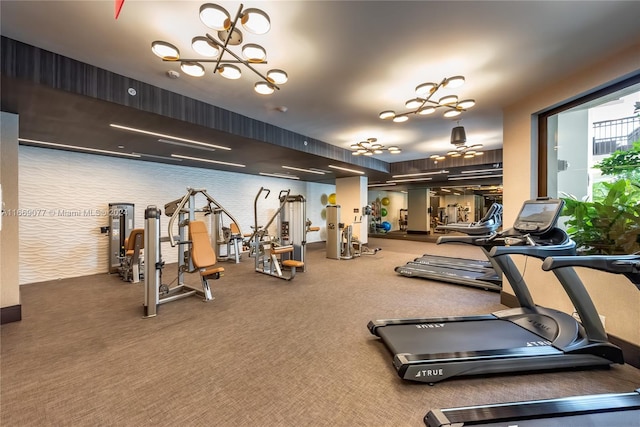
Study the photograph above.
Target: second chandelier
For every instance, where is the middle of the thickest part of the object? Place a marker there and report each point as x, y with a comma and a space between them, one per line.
423, 104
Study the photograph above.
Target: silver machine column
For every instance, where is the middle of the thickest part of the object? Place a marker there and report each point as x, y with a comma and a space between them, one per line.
121, 222
293, 226
334, 232
152, 260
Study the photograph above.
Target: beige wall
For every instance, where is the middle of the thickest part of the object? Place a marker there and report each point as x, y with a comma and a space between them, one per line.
616, 298
9, 288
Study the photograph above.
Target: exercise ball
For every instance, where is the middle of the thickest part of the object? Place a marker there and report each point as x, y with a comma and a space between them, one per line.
332, 199
386, 225
323, 199
385, 201
323, 214
383, 212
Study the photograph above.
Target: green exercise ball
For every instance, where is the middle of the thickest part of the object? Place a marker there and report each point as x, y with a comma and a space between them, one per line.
383, 212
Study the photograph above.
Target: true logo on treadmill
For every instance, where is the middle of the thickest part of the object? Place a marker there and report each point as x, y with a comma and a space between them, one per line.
430, 325
430, 373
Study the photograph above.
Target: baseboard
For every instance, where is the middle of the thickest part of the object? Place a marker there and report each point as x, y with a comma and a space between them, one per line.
630, 350
10, 314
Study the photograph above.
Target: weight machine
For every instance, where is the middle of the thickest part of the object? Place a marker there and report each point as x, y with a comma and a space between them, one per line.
195, 250
274, 254
341, 244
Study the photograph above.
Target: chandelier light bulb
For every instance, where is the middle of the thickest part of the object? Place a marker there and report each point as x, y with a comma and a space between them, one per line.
387, 114
427, 110
165, 50
400, 119
413, 103
448, 100
256, 21
264, 88
278, 77
203, 46
452, 113
254, 53
193, 69
466, 104
425, 89
454, 82
229, 71
215, 17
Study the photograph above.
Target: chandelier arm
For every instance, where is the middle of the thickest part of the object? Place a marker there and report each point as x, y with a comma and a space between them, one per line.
227, 50
226, 41
206, 60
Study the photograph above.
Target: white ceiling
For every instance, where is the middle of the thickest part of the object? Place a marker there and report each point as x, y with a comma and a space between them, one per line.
349, 60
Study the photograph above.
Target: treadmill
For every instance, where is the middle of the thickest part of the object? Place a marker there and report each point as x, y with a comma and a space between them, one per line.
522, 339
599, 409
483, 274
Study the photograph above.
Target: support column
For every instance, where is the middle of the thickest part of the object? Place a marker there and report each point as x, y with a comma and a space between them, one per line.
351, 195
10, 308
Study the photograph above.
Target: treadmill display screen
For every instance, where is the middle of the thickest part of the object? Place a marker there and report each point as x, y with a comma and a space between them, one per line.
538, 216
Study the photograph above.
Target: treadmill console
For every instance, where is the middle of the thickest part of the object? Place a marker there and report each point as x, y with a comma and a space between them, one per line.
538, 216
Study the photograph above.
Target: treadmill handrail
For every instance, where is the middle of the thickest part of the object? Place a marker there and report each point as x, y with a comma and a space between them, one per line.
538, 251
628, 265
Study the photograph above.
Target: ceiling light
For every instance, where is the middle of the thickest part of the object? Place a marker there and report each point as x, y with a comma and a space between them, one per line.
279, 175
278, 77
381, 185
420, 174
413, 103
424, 89
466, 104
192, 68
424, 105
458, 135
256, 21
166, 51
264, 88
473, 177
410, 180
162, 135
448, 100
203, 46
217, 18
317, 172
346, 169
454, 82
229, 71
254, 53
75, 148
198, 159
371, 147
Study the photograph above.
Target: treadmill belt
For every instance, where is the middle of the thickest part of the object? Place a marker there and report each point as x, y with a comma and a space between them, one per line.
458, 337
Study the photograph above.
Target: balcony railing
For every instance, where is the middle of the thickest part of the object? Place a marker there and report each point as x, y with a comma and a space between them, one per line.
613, 135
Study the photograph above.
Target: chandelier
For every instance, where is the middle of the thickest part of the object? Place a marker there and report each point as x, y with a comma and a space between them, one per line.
424, 105
371, 147
217, 18
459, 139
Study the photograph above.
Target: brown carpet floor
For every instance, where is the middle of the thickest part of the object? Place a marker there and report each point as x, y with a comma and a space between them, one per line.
265, 352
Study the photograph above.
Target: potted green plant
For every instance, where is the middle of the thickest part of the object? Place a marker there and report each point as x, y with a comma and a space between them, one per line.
610, 222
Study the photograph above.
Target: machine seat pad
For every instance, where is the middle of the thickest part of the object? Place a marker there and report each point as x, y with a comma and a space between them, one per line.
211, 271
202, 253
282, 249
292, 263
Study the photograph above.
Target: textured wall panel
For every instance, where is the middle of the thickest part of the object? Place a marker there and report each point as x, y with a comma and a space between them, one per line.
65, 195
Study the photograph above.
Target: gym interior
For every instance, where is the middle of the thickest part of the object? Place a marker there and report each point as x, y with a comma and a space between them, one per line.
145, 292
